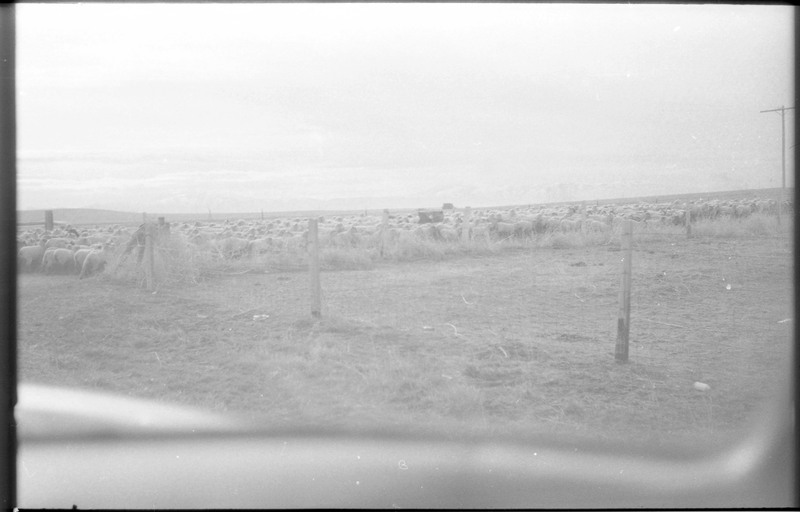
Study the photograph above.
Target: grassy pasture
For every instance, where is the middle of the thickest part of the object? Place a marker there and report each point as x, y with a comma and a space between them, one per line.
515, 337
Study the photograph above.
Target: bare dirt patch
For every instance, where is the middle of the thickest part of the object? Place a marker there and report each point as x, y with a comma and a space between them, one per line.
521, 341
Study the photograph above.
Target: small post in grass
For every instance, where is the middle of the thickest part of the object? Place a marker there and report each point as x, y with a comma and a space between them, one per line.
466, 225
313, 267
149, 260
624, 317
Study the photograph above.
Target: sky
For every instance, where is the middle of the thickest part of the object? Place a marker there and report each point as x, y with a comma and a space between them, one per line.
190, 108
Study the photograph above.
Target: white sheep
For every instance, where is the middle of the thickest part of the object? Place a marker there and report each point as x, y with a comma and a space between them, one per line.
80, 257
95, 261
448, 234
503, 229
58, 260
570, 225
29, 258
54, 243
233, 246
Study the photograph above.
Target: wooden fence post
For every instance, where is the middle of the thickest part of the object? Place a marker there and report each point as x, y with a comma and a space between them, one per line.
384, 230
466, 225
624, 316
688, 221
313, 267
149, 241
48, 220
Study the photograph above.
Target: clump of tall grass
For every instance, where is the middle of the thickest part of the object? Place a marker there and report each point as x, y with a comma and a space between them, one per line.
561, 240
755, 225
174, 261
411, 249
336, 258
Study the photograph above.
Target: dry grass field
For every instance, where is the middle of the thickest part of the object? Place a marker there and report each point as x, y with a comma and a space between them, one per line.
504, 342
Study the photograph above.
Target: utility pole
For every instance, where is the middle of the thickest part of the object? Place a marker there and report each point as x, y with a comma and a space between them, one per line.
782, 110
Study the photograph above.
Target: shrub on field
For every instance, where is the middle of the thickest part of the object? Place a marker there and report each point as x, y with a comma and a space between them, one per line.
598, 237
176, 260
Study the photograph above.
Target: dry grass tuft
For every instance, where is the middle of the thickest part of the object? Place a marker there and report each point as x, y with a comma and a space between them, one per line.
756, 225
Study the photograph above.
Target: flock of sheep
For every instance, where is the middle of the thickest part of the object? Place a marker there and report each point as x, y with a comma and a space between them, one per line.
65, 250
86, 252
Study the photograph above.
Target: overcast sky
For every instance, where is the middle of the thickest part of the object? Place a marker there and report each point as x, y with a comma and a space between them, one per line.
241, 108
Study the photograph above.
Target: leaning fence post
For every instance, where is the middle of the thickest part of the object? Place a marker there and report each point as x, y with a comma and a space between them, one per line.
465, 225
313, 267
149, 260
624, 316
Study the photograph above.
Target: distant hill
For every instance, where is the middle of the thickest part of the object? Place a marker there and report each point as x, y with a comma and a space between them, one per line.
78, 216
83, 216
667, 198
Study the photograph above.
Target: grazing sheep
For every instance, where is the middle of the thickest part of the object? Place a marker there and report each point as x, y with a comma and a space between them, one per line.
344, 239
53, 243
95, 261
233, 247
80, 256
503, 229
94, 239
725, 210
29, 258
552, 224
568, 225
259, 246
742, 211
597, 226
524, 228
59, 260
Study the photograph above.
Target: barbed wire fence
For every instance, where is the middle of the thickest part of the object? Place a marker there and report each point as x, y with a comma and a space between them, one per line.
171, 258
